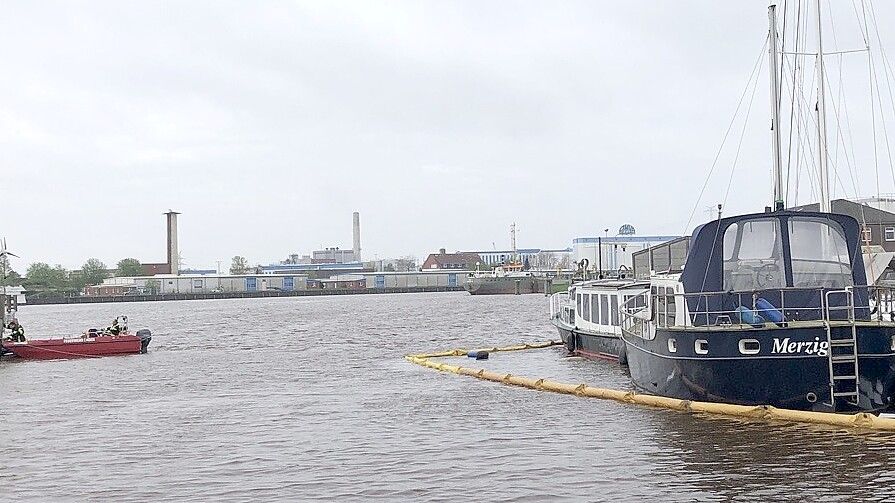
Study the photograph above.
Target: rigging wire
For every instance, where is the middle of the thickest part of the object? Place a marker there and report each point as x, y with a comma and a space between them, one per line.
733, 167
887, 70
755, 68
840, 136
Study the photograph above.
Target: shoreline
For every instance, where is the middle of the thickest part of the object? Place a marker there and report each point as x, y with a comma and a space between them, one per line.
234, 295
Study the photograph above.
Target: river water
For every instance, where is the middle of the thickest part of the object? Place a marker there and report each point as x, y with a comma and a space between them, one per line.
310, 399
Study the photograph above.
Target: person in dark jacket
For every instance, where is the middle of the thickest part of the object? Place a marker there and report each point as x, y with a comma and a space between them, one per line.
18, 332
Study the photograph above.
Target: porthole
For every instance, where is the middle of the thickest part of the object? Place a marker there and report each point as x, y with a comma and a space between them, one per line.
749, 346
811, 397
701, 347
672, 346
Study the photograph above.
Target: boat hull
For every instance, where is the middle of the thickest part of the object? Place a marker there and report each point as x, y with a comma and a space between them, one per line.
78, 347
589, 345
501, 286
785, 379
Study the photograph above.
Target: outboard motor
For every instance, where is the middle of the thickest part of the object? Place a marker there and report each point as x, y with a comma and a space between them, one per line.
145, 337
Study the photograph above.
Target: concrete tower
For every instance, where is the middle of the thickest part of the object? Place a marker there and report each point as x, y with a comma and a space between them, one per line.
356, 229
173, 255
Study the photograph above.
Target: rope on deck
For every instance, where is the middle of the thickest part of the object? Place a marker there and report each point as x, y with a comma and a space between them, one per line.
862, 420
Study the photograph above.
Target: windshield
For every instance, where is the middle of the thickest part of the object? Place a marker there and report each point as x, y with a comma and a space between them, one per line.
753, 256
819, 254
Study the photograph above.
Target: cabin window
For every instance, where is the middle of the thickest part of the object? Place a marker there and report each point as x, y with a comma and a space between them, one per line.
604, 309
613, 309
866, 234
585, 313
890, 233
595, 307
819, 254
670, 306
753, 256
578, 303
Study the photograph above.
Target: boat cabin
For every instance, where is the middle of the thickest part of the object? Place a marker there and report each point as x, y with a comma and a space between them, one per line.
784, 265
596, 304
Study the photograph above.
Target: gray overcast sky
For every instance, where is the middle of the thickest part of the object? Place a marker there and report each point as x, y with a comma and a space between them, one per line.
267, 123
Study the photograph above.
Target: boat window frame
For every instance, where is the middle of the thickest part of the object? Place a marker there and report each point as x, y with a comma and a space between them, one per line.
604, 309
670, 306
779, 255
839, 233
595, 308
613, 310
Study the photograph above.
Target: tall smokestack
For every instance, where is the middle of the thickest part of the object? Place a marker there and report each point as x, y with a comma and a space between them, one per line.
173, 255
357, 236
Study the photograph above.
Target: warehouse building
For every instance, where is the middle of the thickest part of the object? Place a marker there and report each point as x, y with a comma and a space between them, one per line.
208, 283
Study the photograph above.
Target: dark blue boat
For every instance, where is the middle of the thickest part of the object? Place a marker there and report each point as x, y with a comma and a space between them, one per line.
769, 308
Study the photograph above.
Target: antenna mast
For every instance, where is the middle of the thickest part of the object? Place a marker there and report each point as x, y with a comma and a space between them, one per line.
775, 110
822, 120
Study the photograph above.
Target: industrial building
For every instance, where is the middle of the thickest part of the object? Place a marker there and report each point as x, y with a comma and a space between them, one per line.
612, 252
205, 283
213, 283
532, 255
414, 279
330, 255
325, 269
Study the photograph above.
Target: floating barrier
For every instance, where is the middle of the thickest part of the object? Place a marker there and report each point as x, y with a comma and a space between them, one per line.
760, 412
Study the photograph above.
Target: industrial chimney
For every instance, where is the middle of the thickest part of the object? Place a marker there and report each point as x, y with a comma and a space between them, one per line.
173, 255
356, 229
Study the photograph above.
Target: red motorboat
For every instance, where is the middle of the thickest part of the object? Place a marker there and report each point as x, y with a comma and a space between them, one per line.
115, 340
86, 346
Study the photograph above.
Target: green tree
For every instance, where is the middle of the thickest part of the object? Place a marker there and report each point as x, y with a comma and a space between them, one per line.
239, 265
8, 277
93, 272
128, 267
43, 278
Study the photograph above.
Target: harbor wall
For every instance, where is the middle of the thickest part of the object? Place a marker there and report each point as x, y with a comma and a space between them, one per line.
235, 295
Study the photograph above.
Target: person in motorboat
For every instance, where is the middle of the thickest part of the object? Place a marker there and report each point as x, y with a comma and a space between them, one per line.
115, 329
18, 332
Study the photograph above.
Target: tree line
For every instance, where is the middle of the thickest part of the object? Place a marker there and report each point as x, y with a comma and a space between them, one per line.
44, 278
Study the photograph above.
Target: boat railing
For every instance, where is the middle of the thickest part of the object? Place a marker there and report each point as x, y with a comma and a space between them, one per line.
759, 308
558, 301
633, 315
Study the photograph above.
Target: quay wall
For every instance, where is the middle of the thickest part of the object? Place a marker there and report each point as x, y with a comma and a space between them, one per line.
236, 295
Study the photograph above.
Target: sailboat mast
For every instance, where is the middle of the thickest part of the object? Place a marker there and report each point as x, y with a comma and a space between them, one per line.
823, 170
775, 110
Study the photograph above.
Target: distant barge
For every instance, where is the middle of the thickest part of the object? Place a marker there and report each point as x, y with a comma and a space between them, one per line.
513, 280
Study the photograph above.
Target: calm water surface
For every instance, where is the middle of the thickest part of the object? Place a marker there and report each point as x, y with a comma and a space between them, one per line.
310, 399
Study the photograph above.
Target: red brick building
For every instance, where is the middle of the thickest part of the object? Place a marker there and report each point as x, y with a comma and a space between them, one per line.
441, 260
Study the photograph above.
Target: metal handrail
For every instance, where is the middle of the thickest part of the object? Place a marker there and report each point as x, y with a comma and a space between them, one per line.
880, 303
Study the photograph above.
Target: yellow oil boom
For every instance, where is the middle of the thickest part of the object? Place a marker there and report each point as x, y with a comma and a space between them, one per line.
758, 412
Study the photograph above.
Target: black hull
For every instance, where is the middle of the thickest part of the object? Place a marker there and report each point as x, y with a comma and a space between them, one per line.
792, 380
600, 347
